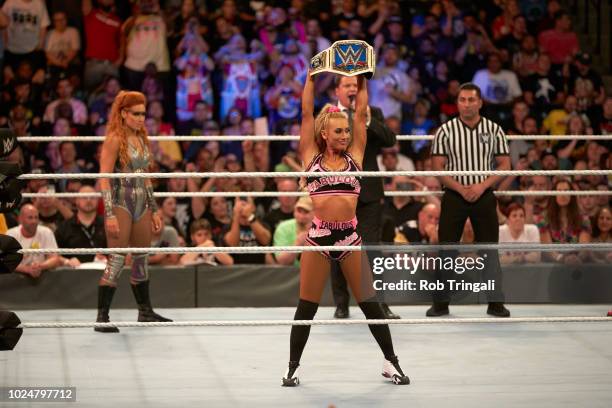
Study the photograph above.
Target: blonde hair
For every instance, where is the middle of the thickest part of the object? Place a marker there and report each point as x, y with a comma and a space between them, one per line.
116, 124
328, 112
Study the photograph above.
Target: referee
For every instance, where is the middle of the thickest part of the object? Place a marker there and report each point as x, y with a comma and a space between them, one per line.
470, 142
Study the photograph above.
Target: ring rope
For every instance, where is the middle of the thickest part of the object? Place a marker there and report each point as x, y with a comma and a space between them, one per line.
272, 174
207, 194
342, 322
308, 248
280, 138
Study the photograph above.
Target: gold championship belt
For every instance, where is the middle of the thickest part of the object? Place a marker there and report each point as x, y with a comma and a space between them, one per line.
346, 57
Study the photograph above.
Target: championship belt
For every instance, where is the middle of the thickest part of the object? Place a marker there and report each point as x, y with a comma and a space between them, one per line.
347, 57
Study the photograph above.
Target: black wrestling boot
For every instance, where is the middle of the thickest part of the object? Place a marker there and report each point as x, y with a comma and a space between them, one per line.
105, 298
145, 311
291, 378
498, 309
437, 309
342, 312
388, 313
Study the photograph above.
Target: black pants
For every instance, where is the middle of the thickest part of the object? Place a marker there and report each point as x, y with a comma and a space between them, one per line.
454, 212
369, 223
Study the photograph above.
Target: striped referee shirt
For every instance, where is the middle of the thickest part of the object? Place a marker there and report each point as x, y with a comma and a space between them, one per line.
468, 149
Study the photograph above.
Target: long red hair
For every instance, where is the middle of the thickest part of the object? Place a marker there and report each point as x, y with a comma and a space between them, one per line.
116, 124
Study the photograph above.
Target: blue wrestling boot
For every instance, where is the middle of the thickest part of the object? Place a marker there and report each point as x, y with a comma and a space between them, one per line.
291, 378
393, 371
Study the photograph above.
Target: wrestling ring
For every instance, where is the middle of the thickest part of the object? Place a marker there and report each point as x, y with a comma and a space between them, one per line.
547, 354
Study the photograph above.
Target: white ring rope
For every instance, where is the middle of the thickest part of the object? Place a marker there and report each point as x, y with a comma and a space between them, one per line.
201, 194
280, 138
335, 322
308, 248
272, 174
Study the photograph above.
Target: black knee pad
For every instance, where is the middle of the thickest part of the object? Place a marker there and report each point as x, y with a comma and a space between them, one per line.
306, 310
371, 309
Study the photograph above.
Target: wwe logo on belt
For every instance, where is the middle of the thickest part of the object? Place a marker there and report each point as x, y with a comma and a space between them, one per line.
350, 57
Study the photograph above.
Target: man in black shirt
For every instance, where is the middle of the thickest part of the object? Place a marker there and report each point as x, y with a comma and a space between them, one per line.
85, 229
422, 231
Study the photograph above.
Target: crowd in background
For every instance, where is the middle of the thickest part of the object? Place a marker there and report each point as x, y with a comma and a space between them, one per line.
231, 67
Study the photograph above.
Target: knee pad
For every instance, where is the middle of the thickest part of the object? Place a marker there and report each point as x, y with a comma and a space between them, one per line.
114, 267
306, 310
371, 309
140, 268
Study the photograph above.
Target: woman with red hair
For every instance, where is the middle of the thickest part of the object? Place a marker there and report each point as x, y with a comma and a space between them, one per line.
130, 210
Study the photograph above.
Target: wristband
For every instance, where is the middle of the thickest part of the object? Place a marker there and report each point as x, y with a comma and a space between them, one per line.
108, 203
151, 203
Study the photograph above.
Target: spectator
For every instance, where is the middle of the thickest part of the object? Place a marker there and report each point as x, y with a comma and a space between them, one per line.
283, 99
525, 60
293, 232
561, 43
420, 124
543, 87
586, 83
65, 95
68, 156
315, 37
555, 122
26, 23
240, 84
563, 223
402, 208
101, 104
201, 236
602, 226
282, 208
51, 210
503, 24
536, 206
587, 204
246, 230
85, 229
195, 67
62, 46
152, 86
469, 56
390, 86
30, 235
144, 35
500, 87
167, 237
195, 127
218, 215
515, 230
520, 111
168, 212
423, 230
392, 159
102, 42
606, 122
